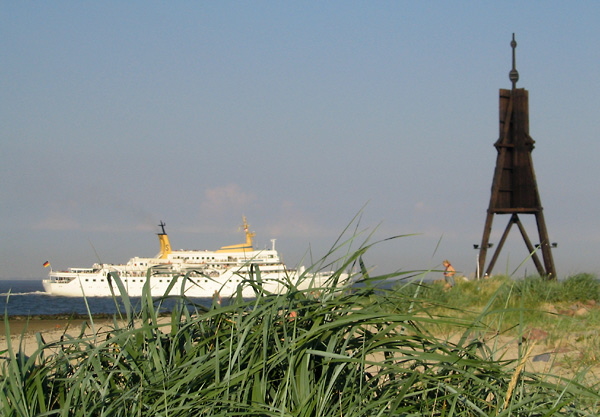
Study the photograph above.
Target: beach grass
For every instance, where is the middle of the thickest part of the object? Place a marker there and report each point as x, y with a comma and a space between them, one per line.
555, 305
355, 350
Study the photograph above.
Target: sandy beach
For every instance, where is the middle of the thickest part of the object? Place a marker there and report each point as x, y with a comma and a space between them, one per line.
24, 331
30, 327
542, 358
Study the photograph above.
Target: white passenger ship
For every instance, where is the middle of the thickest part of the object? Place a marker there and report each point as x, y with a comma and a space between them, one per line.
197, 273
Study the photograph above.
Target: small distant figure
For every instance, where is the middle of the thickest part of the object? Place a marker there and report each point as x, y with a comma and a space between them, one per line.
449, 272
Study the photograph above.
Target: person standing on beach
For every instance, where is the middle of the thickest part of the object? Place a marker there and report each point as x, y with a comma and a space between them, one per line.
449, 272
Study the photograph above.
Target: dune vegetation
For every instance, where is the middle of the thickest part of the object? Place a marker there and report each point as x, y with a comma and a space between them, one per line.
355, 350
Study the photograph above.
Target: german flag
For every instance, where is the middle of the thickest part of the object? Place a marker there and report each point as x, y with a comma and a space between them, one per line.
46, 264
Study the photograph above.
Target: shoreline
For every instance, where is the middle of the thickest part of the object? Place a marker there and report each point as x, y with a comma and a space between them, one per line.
30, 325
22, 331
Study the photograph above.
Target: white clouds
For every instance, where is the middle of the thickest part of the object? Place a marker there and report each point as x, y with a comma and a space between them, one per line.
57, 221
279, 218
95, 214
292, 221
226, 200
228, 197
421, 207
60, 216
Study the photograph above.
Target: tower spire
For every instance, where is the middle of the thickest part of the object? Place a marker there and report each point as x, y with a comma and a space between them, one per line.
513, 75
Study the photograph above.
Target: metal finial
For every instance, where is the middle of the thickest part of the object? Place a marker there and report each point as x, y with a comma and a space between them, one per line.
513, 75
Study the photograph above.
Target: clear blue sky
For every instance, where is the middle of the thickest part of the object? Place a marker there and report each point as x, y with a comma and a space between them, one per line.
116, 115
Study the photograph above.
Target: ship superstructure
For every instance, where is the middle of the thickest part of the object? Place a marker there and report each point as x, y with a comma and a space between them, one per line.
197, 273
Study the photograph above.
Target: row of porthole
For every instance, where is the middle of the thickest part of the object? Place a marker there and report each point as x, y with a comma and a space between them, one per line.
160, 280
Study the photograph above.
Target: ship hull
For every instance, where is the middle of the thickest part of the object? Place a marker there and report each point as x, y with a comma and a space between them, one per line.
98, 285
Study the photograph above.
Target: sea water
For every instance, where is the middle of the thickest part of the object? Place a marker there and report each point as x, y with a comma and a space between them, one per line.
27, 298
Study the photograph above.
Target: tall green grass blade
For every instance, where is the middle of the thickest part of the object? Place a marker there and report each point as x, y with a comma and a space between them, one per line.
361, 351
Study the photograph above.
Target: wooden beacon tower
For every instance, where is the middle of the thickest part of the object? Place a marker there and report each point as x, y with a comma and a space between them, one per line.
514, 188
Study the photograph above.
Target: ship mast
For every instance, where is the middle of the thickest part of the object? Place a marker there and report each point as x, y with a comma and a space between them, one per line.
242, 247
